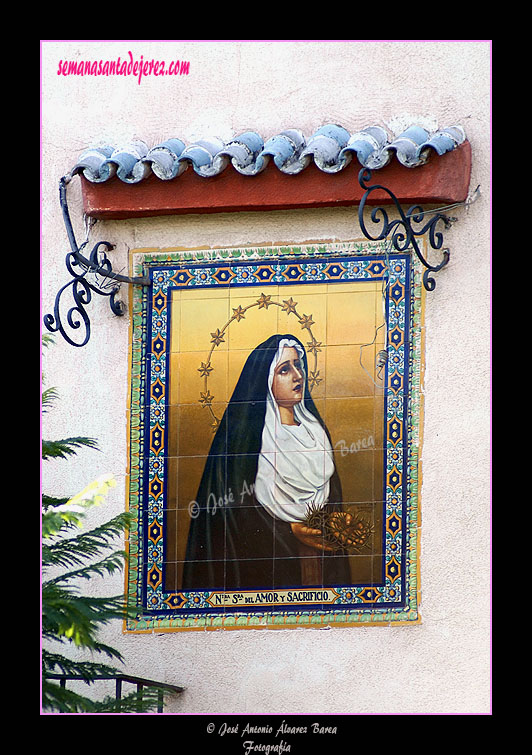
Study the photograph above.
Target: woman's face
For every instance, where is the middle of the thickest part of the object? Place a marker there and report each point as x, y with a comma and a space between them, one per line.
288, 380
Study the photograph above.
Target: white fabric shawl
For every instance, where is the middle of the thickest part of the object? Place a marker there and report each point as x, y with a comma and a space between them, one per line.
295, 462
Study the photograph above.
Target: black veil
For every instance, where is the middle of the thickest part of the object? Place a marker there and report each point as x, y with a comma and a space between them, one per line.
233, 542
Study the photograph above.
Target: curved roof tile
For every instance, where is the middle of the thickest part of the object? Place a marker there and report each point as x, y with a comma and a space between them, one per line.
331, 148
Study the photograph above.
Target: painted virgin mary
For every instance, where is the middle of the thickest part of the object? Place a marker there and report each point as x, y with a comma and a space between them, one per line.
270, 460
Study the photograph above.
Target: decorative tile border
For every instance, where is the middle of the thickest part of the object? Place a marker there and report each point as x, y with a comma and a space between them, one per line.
395, 600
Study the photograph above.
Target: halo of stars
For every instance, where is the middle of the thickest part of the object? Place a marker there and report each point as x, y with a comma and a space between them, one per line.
217, 337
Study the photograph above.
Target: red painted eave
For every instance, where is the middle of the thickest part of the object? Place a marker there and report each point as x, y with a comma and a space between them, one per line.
442, 180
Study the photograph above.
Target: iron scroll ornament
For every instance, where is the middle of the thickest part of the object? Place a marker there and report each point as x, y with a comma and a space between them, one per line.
403, 239
98, 263
78, 266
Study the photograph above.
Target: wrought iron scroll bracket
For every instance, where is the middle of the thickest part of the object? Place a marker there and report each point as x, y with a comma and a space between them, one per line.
403, 234
79, 266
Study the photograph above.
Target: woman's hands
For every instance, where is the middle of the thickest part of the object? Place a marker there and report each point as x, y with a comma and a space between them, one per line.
314, 539
310, 537
342, 519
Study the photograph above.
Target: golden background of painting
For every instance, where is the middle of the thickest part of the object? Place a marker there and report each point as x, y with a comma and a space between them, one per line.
346, 316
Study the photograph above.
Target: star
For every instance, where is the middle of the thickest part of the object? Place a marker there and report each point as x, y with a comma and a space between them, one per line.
289, 305
206, 398
314, 380
205, 369
215, 424
217, 337
306, 321
313, 346
264, 301
239, 313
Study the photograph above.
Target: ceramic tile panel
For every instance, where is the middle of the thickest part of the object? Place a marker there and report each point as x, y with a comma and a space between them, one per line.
275, 410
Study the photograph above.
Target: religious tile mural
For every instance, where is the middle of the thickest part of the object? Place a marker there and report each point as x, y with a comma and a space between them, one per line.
274, 437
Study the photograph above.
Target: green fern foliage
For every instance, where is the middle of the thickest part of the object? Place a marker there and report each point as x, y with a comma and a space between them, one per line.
72, 555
